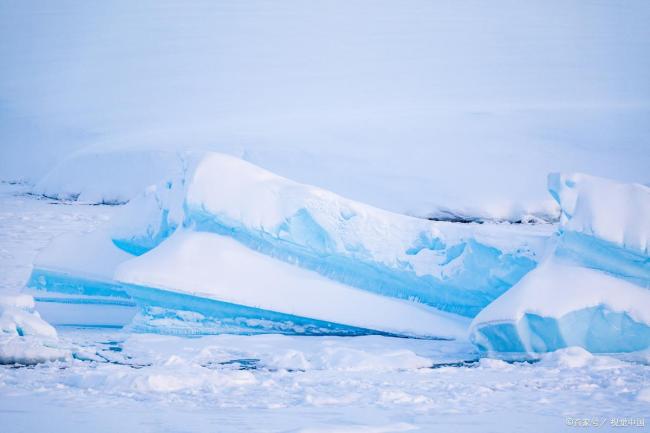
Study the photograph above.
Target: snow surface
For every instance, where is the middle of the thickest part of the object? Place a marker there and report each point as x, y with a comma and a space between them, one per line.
428, 108
273, 383
37, 223
86, 254
116, 380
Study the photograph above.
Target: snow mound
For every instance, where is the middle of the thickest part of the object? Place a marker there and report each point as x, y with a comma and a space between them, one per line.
592, 291
108, 176
25, 338
577, 357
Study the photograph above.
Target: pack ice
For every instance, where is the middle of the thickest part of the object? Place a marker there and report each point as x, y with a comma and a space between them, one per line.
593, 289
225, 246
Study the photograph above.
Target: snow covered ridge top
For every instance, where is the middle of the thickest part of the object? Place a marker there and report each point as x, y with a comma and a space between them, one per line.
605, 209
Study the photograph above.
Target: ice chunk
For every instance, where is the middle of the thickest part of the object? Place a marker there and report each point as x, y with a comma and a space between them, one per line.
605, 224
559, 305
25, 338
212, 281
611, 211
153, 215
149, 218
456, 268
593, 289
72, 281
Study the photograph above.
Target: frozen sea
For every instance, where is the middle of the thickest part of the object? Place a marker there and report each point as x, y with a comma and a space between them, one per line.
122, 381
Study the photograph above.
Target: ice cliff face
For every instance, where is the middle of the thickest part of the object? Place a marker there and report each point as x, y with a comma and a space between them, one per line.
593, 291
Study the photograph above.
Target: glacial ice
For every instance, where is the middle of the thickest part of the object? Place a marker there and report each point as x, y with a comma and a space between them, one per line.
593, 289
315, 241
452, 267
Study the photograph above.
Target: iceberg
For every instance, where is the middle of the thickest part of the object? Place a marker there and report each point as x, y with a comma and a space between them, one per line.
593, 291
225, 246
452, 267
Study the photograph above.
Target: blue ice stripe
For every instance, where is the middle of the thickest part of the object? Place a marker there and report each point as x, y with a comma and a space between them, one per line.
86, 301
605, 256
597, 329
488, 274
227, 317
61, 282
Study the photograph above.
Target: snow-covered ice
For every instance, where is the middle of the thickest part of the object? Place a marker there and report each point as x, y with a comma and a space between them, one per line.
452, 267
265, 252
593, 289
273, 383
25, 338
456, 268
237, 215
212, 266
